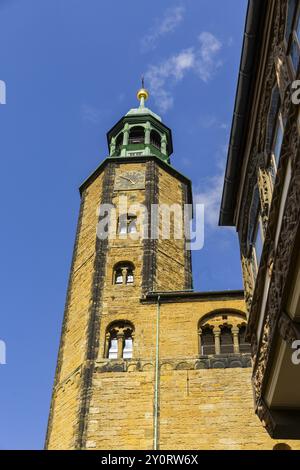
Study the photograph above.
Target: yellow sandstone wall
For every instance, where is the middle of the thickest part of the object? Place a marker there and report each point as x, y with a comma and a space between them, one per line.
65, 401
199, 409
170, 255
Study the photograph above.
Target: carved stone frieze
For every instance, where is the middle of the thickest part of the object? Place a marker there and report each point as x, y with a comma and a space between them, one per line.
217, 361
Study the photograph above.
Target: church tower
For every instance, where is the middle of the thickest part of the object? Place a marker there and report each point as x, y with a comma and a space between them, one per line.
104, 316
144, 361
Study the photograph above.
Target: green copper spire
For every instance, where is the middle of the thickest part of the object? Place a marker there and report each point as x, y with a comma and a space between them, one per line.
140, 133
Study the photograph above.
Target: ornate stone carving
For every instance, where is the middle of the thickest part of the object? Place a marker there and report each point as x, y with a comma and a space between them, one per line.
265, 191
265, 416
289, 330
248, 281
281, 68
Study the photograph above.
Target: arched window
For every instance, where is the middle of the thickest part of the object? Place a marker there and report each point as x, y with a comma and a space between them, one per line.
155, 139
226, 340
119, 340
207, 341
119, 143
127, 224
136, 135
244, 346
223, 332
123, 273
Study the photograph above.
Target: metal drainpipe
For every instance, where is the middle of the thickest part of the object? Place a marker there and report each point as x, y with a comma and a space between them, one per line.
156, 382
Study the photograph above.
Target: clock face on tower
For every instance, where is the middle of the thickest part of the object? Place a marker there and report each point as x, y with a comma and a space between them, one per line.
129, 180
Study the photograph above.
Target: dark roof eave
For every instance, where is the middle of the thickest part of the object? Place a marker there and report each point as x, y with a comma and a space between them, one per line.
251, 43
173, 296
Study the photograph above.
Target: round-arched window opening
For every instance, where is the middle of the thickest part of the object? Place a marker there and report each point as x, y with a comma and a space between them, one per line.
207, 341
119, 340
136, 135
155, 139
123, 273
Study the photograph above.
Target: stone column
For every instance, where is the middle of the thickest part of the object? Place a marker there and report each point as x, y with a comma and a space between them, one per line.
163, 145
106, 345
120, 339
125, 139
147, 133
199, 342
235, 333
147, 138
112, 146
124, 275
126, 134
217, 333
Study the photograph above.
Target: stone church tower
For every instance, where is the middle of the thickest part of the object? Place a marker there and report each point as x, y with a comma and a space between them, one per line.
144, 362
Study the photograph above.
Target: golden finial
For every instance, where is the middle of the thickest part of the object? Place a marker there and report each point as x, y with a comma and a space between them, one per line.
142, 94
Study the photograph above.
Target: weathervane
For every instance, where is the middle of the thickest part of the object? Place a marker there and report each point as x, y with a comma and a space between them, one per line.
142, 94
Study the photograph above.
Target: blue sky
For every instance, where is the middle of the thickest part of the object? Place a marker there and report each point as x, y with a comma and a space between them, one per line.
72, 68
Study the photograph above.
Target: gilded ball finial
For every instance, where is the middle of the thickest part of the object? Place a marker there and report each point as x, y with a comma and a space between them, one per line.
142, 93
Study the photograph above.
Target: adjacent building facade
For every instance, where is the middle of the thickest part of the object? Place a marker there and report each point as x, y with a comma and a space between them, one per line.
261, 197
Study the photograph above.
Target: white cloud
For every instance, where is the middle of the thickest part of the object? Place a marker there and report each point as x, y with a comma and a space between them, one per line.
207, 62
201, 60
171, 19
209, 192
210, 196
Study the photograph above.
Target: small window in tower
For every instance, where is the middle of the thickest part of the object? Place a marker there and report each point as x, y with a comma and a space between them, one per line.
131, 223
124, 273
129, 276
128, 348
155, 139
113, 348
119, 340
123, 224
127, 224
136, 135
119, 276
